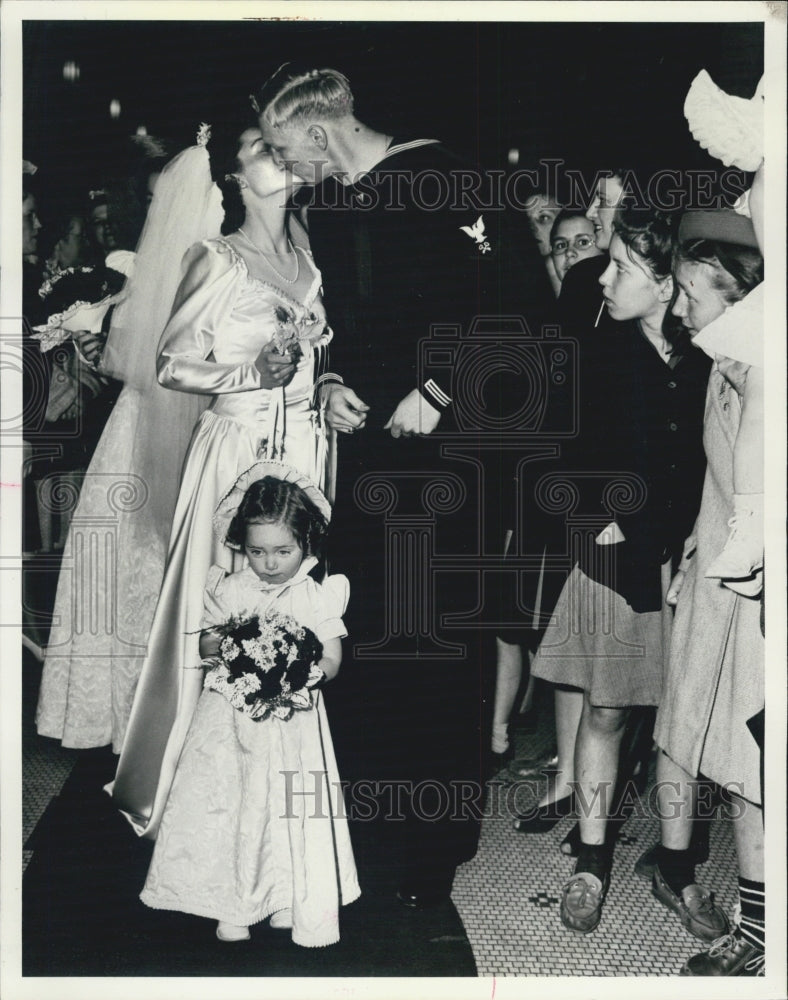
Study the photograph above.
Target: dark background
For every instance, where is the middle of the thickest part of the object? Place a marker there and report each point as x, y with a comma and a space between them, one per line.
592, 94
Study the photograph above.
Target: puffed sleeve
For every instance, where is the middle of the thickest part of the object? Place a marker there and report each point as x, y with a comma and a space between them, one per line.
334, 595
204, 299
216, 607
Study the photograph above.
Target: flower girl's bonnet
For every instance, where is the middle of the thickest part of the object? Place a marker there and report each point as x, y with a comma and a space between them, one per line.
230, 503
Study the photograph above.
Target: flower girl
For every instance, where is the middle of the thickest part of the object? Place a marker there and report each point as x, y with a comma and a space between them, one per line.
253, 827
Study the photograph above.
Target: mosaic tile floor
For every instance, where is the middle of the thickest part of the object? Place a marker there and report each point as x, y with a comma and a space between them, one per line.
508, 896
45, 764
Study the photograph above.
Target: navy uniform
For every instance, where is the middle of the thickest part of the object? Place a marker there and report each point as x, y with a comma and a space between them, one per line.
399, 257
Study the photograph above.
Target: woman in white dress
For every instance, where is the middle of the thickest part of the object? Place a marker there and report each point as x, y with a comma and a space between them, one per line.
248, 327
114, 556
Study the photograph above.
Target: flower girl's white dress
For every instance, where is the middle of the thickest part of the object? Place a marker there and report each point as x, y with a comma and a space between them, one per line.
254, 822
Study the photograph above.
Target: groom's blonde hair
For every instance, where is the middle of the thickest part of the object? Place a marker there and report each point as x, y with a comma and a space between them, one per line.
291, 94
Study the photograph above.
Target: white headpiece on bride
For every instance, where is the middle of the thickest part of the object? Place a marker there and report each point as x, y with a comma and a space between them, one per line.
186, 208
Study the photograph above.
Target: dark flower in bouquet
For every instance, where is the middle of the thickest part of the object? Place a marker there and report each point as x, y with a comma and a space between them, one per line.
266, 665
87, 284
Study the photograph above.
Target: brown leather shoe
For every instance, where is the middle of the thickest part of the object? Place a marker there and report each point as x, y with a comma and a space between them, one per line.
581, 902
696, 908
732, 955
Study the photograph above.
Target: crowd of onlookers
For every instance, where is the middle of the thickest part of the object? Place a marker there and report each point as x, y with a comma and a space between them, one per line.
663, 609
77, 244
658, 628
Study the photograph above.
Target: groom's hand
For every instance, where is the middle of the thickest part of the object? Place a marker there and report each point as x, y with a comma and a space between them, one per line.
345, 412
413, 415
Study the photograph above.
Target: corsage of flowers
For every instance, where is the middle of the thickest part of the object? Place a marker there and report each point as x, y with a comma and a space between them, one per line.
266, 666
290, 333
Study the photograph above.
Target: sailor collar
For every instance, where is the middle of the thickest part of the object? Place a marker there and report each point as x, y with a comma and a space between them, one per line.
363, 198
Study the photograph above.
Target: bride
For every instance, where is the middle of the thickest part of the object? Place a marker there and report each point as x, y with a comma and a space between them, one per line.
247, 330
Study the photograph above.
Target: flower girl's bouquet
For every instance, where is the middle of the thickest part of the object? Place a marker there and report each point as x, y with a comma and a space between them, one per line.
266, 665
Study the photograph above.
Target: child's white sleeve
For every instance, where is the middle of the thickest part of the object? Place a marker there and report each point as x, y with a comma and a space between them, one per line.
333, 595
215, 606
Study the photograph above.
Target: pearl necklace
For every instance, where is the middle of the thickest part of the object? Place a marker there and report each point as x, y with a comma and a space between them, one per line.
265, 256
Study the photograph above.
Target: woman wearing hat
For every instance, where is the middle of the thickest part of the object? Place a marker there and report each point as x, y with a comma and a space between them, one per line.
715, 681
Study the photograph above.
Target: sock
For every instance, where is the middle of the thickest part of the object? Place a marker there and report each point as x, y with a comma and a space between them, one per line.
699, 842
676, 867
594, 858
752, 897
500, 738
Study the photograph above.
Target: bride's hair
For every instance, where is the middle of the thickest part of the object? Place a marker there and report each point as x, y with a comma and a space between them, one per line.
223, 149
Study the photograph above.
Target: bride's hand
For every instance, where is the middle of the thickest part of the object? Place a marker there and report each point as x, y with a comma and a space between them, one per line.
275, 369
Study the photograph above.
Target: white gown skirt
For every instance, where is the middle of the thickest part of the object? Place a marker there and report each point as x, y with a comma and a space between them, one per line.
111, 573
171, 681
254, 824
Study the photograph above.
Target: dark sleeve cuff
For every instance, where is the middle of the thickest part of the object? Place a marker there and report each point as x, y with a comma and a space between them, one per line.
435, 395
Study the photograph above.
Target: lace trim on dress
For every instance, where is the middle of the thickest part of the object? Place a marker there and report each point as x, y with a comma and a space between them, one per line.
314, 288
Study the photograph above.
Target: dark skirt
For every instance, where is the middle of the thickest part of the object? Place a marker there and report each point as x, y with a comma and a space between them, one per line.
596, 642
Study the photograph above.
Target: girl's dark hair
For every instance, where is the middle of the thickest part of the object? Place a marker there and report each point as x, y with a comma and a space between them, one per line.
275, 501
223, 154
737, 269
651, 234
